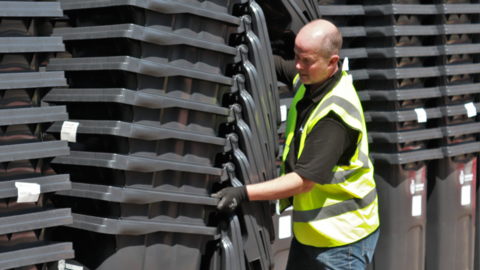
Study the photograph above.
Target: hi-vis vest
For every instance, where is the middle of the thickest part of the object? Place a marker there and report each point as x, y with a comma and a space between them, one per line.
346, 210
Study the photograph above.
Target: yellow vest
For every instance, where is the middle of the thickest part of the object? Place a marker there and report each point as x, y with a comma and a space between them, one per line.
346, 210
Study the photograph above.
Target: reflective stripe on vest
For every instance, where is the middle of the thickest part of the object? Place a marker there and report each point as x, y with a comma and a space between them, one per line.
345, 210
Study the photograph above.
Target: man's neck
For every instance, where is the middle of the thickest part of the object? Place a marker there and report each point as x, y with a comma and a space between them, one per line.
317, 85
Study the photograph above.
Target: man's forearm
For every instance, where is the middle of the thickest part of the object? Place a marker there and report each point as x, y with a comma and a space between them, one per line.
279, 188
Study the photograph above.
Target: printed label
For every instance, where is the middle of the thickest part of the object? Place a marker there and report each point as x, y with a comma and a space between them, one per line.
61, 265
416, 205
69, 131
466, 195
73, 267
285, 227
471, 110
421, 115
419, 187
27, 192
283, 112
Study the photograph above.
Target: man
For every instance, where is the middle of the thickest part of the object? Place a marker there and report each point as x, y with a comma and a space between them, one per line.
325, 161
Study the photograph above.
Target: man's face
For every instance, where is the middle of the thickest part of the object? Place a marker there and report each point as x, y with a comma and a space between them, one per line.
312, 67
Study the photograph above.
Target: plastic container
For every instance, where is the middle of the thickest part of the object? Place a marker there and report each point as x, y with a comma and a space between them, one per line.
29, 9
158, 112
34, 44
32, 80
153, 250
451, 209
207, 9
402, 193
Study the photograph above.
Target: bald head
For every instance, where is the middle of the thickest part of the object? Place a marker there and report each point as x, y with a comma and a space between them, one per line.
321, 36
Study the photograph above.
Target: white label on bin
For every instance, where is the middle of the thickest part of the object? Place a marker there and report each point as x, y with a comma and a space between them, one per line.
283, 112
61, 265
69, 131
73, 267
471, 110
27, 192
466, 195
416, 205
285, 227
419, 187
421, 115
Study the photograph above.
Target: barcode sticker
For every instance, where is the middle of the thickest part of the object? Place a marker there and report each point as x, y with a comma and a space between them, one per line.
27, 192
471, 110
416, 205
283, 112
285, 227
69, 131
466, 195
421, 115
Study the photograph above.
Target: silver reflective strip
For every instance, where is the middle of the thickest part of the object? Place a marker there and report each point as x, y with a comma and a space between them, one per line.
345, 104
363, 158
297, 84
335, 210
341, 176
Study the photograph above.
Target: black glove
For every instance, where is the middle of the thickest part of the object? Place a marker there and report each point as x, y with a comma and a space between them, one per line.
231, 198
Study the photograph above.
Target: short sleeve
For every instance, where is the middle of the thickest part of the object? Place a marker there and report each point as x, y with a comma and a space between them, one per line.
324, 146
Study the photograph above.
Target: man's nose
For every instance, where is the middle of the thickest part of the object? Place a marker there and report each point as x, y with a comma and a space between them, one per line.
298, 65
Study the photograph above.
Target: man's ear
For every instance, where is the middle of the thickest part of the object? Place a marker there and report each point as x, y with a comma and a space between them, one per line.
333, 61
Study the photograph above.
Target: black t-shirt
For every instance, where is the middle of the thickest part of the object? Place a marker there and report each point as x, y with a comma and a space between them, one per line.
331, 142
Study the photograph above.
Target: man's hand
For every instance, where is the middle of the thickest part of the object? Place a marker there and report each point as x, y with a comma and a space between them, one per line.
231, 198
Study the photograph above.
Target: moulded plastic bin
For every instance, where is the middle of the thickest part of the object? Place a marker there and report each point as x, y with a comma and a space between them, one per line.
208, 9
135, 65
34, 253
257, 236
227, 253
341, 10
30, 9
209, 62
177, 148
402, 191
451, 209
255, 110
19, 116
32, 80
157, 114
34, 44
251, 146
156, 213
259, 27
76, 35
415, 8
154, 250
257, 55
33, 150
253, 55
